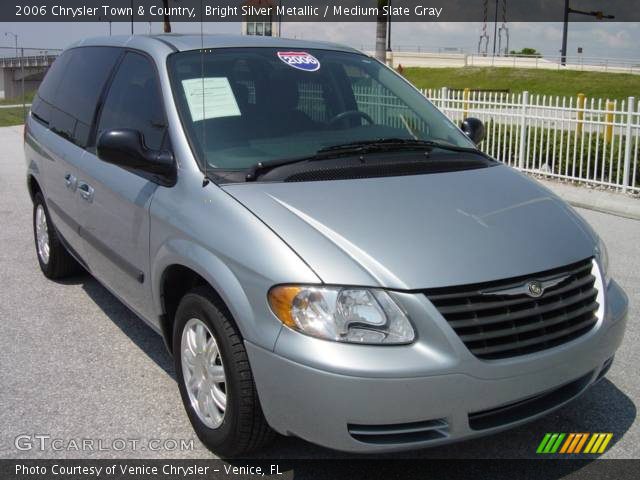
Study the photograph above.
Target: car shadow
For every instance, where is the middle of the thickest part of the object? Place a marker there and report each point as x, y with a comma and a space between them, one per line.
602, 408
141, 334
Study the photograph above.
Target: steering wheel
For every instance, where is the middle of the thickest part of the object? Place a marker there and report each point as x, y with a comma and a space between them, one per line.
351, 113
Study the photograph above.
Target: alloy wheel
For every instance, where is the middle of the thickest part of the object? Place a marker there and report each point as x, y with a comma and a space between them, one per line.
42, 234
203, 373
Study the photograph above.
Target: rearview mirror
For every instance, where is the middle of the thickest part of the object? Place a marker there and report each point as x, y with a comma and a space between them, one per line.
474, 129
125, 147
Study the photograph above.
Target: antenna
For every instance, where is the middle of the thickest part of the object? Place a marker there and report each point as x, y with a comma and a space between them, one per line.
205, 180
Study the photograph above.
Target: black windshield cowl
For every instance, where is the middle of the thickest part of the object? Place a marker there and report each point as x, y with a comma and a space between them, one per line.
340, 170
360, 150
396, 144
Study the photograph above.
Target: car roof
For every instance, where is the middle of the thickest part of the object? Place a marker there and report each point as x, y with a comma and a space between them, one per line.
182, 42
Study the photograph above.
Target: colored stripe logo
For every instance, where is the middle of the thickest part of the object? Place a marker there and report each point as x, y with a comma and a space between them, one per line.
574, 443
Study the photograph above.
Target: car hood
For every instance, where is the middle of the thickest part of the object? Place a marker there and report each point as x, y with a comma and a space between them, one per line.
422, 231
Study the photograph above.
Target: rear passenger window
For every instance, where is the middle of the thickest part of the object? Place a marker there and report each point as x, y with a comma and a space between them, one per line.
69, 94
41, 110
63, 124
84, 80
53, 77
43, 101
134, 101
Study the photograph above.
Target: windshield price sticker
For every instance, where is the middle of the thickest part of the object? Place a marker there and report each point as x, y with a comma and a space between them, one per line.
210, 97
300, 60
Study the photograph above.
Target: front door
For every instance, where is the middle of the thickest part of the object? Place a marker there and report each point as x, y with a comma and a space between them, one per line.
114, 205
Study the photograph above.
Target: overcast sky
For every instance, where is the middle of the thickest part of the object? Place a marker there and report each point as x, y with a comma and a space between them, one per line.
601, 39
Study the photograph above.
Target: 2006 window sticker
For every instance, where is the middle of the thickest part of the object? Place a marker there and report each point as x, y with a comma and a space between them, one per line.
300, 60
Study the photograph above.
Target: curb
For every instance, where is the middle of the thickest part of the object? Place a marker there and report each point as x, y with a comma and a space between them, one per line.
612, 203
609, 211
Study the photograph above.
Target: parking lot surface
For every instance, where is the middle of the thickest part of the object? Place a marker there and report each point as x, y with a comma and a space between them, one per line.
77, 364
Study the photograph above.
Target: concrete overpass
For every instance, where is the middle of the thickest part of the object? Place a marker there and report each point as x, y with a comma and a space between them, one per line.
29, 69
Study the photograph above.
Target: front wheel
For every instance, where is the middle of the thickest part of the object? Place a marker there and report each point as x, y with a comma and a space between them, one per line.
215, 379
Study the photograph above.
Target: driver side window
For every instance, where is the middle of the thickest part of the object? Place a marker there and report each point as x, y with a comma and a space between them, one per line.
134, 101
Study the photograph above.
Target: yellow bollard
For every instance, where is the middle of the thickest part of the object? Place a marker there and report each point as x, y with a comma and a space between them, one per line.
581, 102
608, 129
465, 97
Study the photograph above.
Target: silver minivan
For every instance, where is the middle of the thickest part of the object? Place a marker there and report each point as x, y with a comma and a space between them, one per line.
325, 254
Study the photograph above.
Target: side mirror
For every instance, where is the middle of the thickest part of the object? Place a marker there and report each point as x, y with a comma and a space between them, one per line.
125, 147
474, 129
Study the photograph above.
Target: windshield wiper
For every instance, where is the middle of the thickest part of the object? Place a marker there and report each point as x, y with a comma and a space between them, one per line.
323, 154
396, 144
263, 167
358, 148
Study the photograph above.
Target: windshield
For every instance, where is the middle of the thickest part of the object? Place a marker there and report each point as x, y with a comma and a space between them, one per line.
243, 106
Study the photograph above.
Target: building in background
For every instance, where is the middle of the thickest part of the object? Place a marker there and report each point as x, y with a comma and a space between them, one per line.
263, 25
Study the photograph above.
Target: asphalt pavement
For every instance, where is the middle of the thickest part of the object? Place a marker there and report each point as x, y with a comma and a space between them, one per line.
76, 364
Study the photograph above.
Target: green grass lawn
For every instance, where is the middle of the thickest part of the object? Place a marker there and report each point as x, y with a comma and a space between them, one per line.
11, 116
28, 97
545, 82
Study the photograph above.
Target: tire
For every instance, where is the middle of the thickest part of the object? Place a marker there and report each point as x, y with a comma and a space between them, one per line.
242, 428
56, 263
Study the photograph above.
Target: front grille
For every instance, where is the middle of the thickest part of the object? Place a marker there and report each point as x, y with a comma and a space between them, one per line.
494, 325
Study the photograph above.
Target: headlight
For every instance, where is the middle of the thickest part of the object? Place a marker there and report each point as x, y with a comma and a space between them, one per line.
342, 314
602, 257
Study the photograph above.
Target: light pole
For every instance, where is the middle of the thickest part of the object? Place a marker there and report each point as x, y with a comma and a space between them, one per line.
100, 19
495, 29
15, 38
565, 27
389, 28
19, 57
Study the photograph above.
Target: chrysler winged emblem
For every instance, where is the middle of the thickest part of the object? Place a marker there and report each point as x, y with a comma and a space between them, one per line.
533, 288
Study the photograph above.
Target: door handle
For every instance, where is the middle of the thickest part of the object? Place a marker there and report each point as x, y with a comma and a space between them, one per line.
70, 181
86, 191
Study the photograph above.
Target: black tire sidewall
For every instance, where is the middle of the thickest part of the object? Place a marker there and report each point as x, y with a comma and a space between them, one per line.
197, 306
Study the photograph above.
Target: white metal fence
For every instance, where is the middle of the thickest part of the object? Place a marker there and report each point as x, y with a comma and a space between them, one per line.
589, 140
585, 139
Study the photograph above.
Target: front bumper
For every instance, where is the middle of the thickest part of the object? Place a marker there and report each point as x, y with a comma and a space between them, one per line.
372, 399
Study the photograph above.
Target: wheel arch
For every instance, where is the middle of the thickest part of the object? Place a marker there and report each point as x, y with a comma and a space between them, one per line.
182, 265
176, 281
33, 186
